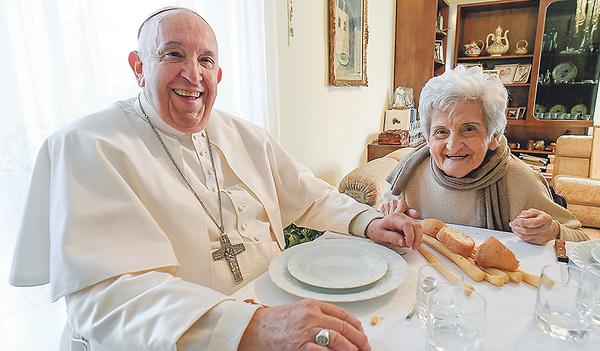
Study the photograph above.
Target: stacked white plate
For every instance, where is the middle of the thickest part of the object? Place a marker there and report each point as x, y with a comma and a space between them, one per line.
338, 270
585, 253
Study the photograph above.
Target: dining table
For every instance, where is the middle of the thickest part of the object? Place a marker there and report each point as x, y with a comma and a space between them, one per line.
510, 322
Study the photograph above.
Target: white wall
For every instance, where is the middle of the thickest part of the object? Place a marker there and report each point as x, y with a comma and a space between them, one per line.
327, 128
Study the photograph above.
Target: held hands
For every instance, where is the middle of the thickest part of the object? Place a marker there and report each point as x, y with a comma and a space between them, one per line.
398, 227
535, 226
295, 326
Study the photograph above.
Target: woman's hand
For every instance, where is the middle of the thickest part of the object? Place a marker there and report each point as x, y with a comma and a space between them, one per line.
295, 326
398, 206
535, 226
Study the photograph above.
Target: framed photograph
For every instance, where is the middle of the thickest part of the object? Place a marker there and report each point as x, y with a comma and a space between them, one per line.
439, 51
512, 113
507, 72
348, 36
492, 71
521, 114
522, 73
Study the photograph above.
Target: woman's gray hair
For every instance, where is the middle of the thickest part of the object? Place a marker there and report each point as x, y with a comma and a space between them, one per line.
463, 84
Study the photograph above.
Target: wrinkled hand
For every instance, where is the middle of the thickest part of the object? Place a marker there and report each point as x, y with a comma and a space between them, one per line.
397, 229
397, 206
535, 226
294, 327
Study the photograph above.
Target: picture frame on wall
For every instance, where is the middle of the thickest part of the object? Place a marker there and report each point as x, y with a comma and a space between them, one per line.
512, 113
507, 72
522, 72
439, 51
348, 36
521, 113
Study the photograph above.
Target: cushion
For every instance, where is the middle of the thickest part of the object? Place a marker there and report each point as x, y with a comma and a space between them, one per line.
574, 146
579, 167
589, 216
366, 184
577, 190
400, 153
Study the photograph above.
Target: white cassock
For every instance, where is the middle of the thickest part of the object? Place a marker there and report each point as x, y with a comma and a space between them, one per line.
113, 228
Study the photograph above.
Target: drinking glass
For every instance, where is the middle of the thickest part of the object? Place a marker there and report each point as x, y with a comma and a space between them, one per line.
563, 303
433, 274
592, 274
456, 320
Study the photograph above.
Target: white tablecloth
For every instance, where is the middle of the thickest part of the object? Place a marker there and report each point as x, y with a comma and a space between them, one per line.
510, 322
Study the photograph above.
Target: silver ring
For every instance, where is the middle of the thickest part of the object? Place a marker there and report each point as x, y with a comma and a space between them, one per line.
322, 337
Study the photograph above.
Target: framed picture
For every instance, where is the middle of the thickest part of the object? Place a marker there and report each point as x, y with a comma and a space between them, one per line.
512, 113
492, 71
521, 114
348, 35
507, 72
472, 65
522, 73
439, 51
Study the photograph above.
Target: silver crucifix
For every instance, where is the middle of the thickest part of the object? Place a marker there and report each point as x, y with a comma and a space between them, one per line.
228, 252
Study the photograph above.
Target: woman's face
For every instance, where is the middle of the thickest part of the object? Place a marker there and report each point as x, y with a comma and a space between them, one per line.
459, 142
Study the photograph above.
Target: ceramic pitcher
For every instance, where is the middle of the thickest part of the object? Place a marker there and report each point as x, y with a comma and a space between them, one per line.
499, 43
473, 48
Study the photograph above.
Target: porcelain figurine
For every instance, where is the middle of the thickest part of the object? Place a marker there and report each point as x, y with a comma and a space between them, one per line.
521, 47
473, 48
499, 43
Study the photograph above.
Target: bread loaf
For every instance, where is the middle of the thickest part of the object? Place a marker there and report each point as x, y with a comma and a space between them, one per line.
457, 241
492, 253
432, 226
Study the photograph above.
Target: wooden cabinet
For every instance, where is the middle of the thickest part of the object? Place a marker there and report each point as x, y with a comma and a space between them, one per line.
417, 30
525, 20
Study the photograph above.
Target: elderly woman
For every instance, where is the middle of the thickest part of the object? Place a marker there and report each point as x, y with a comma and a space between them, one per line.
465, 174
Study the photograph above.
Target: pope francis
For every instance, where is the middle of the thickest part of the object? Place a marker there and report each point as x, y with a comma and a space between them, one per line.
147, 215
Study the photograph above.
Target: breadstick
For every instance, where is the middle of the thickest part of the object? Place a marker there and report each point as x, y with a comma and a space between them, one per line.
472, 271
515, 277
430, 257
496, 272
494, 279
530, 279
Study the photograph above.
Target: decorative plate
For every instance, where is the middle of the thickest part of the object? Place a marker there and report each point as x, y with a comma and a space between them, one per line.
337, 266
581, 253
579, 109
564, 72
558, 109
539, 109
397, 270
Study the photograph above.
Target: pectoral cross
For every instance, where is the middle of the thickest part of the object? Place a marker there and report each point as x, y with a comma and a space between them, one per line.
228, 252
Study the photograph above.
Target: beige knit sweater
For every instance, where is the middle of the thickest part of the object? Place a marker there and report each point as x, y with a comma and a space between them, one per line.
526, 189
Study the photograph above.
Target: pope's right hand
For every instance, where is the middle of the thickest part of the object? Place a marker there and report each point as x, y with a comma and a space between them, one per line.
295, 326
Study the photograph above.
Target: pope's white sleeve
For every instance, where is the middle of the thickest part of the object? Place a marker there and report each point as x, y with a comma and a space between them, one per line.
156, 311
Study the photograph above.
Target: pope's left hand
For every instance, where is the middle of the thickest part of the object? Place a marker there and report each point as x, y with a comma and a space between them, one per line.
397, 229
535, 226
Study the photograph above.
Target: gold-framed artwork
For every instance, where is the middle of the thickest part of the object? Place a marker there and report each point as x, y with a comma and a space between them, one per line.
512, 113
522, 73
507, 72
348, 37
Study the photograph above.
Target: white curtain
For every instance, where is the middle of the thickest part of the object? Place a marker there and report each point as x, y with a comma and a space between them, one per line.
63, 59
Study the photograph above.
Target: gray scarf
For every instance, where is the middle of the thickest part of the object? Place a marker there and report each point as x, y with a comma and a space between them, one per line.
489, 179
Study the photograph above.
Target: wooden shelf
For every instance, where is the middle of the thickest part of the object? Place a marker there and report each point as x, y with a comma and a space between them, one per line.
538, 152
485, 58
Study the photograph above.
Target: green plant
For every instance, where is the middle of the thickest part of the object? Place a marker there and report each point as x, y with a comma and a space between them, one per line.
295, 235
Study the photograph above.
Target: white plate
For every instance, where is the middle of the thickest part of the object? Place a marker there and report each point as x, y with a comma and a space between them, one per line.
596, 253
336, 265
581, 253
395, 274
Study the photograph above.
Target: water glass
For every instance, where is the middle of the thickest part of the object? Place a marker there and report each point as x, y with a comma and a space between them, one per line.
456, 320
563, 303
433, 274
592, 274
